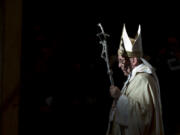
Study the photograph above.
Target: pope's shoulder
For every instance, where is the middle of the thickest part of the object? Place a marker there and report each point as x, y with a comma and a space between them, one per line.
144, 77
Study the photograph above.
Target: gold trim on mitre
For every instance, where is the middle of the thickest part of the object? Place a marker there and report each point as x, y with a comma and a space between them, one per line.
130, 47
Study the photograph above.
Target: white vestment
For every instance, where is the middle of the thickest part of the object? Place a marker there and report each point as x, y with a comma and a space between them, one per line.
138, 110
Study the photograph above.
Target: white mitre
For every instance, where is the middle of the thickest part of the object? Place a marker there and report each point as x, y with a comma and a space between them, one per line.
130, 47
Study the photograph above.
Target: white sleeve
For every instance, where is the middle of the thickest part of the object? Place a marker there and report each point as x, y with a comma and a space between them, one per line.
123, 110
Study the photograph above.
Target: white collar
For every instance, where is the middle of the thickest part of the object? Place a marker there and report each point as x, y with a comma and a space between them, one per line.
142, 68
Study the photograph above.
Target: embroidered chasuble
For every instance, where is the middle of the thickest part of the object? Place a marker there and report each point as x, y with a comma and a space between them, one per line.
138, 110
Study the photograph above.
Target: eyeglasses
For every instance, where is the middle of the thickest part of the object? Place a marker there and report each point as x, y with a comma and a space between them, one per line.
121, 61
124, 60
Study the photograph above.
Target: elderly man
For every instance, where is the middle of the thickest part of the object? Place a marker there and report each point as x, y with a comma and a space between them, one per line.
137, 106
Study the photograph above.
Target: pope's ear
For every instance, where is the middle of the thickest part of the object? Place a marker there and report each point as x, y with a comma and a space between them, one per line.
134, 61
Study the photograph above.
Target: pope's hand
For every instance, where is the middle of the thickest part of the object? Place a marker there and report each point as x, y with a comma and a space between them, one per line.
115, 91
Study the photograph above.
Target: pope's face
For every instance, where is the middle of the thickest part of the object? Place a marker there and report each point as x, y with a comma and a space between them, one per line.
124, 64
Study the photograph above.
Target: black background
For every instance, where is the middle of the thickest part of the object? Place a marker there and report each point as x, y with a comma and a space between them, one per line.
61, 59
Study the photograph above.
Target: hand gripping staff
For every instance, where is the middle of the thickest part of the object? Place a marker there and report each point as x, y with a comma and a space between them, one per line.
102, 36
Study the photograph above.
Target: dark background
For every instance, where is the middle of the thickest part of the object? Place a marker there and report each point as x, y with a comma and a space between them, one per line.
61, 62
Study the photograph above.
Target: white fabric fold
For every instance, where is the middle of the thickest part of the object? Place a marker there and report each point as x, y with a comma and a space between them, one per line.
122, 111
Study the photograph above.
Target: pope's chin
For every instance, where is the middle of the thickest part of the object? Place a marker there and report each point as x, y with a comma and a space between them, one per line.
125, 73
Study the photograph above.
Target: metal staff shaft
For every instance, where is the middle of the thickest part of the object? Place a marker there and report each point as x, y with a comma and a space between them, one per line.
105, 56
104, 53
